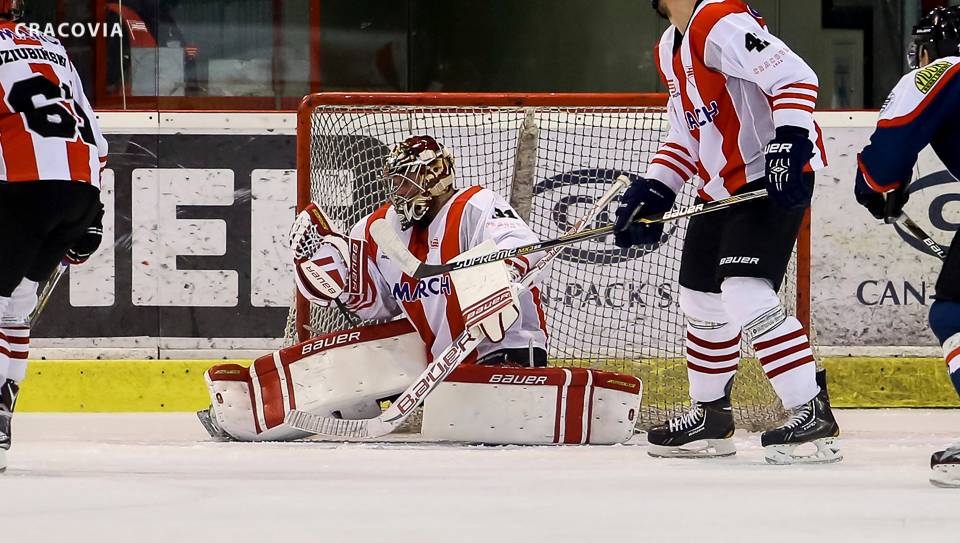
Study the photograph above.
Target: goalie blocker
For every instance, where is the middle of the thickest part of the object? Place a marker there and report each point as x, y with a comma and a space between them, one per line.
351, 373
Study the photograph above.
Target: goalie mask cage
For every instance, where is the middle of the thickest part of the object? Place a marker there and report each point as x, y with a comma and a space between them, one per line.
550, 156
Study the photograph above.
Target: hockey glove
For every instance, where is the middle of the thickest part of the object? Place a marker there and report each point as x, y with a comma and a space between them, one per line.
883, 206
644, 198
88, 243
786, 156
311, 229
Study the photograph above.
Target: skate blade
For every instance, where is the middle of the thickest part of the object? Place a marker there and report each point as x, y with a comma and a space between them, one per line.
211, 427
828, 452
705, 448
946, 476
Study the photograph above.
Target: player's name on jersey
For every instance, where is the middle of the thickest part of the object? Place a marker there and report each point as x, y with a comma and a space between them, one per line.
30, 53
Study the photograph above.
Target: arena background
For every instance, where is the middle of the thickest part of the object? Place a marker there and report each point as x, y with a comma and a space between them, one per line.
197, 101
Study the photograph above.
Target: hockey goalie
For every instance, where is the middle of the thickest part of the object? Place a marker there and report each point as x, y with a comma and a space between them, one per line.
501, 393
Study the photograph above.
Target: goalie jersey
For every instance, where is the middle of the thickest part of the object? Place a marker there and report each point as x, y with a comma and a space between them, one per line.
922, 109
731, 84
47, 129
469, 218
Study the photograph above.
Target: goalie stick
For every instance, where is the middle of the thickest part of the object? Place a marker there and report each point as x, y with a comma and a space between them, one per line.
410, 265
441, 366
934, 248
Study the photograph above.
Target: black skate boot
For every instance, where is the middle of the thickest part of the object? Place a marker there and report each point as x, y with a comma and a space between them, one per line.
706, 430
811, 422
946, 467
8, 399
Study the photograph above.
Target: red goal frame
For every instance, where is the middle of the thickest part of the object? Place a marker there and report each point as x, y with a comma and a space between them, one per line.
607, 100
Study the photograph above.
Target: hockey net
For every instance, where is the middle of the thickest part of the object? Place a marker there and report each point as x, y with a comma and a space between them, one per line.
550, 156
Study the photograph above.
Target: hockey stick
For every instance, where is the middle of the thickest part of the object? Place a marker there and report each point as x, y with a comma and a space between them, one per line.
935, 248
395, 249
47, 290
440, 367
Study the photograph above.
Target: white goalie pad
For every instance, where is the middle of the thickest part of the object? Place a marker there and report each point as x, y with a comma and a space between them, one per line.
487, 297
344, 373
549, 406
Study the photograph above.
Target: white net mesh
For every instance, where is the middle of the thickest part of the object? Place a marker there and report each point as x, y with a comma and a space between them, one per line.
605, 307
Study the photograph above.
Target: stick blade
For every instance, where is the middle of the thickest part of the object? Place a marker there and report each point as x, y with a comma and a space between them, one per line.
327, 426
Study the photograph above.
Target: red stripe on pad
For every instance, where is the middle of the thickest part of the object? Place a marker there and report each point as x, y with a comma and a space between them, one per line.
787, 367
766, 344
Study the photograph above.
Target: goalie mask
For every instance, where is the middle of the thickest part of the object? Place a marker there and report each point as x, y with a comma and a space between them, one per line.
418, 170
937, 33
11, 9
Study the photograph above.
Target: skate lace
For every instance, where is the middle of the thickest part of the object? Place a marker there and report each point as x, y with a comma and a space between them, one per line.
797, 416
688, 420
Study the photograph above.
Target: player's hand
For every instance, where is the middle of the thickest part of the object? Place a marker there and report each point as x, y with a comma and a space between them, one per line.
88, 243
883, 206
309, 230
786, 155
644, 198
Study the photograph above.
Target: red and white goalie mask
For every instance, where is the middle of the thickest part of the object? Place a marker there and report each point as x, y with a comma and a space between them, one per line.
418, 170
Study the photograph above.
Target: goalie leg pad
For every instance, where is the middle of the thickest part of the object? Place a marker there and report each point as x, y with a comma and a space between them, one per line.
343, 374
549, 406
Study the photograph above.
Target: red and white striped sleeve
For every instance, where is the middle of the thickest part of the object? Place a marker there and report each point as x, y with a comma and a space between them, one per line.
673, 164
739, 45
80, 99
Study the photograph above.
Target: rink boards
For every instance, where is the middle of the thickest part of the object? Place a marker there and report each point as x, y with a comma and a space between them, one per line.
177, 385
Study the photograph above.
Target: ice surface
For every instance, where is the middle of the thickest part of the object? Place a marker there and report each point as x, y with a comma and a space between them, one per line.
137, 478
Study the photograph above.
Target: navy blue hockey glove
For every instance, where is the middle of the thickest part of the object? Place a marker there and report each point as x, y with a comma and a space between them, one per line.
883, 206
786, 155
644, 198
88, 243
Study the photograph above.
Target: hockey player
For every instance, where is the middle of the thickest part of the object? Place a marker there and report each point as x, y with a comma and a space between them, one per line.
438, 222
347, 373
50, 164
741, 114
922, 110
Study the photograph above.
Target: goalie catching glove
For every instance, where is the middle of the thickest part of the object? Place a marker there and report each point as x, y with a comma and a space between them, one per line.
316, 245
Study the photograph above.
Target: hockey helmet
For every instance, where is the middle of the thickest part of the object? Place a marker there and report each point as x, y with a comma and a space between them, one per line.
11, 9
418, 169
937, 33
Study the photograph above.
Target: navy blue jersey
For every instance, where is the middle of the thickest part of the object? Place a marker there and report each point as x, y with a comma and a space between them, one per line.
924, 108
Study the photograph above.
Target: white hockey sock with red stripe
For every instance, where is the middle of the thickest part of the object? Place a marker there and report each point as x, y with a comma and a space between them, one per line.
18, 345
787, 359
713, 353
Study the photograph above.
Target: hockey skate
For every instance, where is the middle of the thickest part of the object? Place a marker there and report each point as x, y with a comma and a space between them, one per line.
8, 399
946, 467
706, 430
209, 421
811, 422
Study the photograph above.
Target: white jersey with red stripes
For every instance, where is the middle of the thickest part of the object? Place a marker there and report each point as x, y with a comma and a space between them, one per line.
47, 129
731, 84
472, 216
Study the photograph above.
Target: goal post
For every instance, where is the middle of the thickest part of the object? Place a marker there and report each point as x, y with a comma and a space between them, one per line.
550, 155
